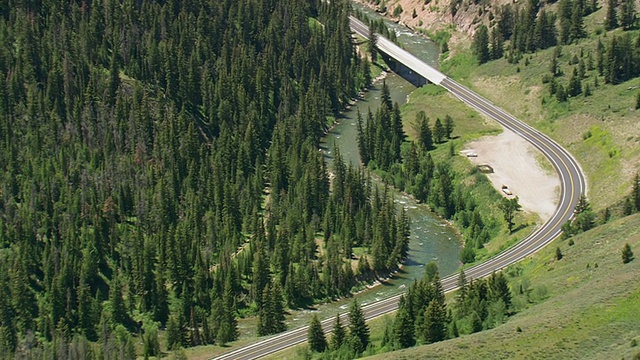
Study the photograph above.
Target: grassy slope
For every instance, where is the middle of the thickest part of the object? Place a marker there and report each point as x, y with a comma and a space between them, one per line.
610, 158
591, 313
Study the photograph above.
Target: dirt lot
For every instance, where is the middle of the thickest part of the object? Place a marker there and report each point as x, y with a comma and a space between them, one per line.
515, 163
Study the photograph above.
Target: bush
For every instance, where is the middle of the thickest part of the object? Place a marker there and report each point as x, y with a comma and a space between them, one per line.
397, 11
558, 254
627, 254
468, 255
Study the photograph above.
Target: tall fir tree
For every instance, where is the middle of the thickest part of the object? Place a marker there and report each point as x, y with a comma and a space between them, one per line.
481, 44
358, 329
628, 14
338, 334
403, 325
315, 335
611, 18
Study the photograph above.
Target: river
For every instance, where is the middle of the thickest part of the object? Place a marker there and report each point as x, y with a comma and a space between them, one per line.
432, 239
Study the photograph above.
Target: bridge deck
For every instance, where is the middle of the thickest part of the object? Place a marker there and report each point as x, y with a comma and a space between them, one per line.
401, 55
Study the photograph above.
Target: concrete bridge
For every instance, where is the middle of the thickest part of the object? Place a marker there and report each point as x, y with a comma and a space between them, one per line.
401, 61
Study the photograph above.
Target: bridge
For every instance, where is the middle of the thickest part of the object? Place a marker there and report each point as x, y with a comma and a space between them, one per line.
399, 59
572, 183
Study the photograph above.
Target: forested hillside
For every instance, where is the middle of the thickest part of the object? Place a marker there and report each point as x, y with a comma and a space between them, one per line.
160, 167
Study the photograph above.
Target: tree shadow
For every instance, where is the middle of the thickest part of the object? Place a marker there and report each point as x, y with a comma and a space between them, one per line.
518, 228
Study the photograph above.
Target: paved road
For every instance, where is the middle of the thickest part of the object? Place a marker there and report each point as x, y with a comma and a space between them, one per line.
572, 186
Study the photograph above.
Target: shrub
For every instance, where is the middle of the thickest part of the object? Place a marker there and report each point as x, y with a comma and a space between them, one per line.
627, 254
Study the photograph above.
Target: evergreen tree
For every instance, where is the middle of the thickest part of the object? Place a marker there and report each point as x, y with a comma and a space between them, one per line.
627, 254
403, 325
434, 328
315, 336
425, 137
575, 84
439, 131
577, 26
373, 44
358, 329
635, 191
611, 18
337, 334
499, 289
585, 218
476, 323
497, 44
118, 307
227, 325
271, 315
628, 14
481, 44
448, 125
600, 53
558, 254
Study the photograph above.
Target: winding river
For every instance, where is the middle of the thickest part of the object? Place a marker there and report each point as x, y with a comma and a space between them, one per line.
432, 239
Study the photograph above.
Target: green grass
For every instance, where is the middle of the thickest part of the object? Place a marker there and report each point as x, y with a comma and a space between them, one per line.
611, 157
436, 102
591, 311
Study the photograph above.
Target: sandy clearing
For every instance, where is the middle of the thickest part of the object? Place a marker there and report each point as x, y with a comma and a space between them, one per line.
514, 164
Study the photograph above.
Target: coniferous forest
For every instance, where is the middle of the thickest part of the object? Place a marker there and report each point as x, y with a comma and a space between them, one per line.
160, 170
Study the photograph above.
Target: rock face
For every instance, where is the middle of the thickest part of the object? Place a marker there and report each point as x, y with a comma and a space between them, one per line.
436, 15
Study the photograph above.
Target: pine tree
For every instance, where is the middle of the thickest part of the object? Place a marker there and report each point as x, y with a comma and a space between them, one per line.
627, 254
637, 106
265, 313
337, 334
476, 323
481, 44
228, 325
558, 254
628, 14
315, 335
271, 315
175, 332
600, 60
635, 189
499, 289
434, 329
565, 14
611, 18
403, 325
439, 131
358, 329
577, 26
561, 93
497, 44
448, 125
8, 331
575, 84
373, 44
118, 308
425, 137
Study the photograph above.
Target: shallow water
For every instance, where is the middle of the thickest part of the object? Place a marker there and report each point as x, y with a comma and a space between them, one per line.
432, 239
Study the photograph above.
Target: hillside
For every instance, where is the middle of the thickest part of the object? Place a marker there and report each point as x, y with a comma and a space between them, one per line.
591, 311
433, 16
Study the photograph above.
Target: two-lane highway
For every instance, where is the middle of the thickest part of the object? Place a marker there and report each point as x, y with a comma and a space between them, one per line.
572, 186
